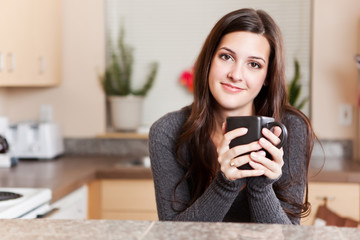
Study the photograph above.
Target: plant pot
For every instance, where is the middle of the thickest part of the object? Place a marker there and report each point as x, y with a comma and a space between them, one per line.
126, 112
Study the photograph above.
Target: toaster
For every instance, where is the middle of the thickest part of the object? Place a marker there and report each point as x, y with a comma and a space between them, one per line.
35, 140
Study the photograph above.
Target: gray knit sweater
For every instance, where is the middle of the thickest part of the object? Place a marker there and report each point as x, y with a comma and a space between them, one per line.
224, 200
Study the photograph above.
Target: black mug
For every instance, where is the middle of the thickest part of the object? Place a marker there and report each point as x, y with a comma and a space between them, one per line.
254, 124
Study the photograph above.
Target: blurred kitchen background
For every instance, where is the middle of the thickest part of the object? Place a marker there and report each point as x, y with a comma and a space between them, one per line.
322, 35
52, 53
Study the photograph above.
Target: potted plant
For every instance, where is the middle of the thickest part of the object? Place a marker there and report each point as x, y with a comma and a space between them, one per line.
294, 89
125, 102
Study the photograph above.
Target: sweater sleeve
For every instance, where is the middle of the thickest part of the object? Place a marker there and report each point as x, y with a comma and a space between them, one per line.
265, 207
215, 201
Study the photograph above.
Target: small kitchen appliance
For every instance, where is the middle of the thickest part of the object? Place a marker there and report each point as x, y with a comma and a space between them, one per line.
35, 140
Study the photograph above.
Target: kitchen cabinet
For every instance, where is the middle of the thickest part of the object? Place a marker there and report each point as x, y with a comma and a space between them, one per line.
30, 43
125, 199
342, 198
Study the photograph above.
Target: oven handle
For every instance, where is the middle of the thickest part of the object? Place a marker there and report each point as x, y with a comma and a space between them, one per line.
48, 213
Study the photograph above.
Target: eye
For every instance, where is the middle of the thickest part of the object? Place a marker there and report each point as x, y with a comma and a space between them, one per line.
226, 57
255, 65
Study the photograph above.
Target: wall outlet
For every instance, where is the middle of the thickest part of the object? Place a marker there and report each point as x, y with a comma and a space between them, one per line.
345, 114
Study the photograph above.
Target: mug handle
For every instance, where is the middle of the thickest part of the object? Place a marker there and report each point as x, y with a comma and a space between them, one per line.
284, 133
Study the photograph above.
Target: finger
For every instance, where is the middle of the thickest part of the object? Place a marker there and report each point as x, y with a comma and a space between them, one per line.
240, 161
271, 169
271, 136
261, 153
277, 131
247, 173
276, 153
269, 146
242, 149
244, 159
228, 137
234, 134
258, 161
232, 173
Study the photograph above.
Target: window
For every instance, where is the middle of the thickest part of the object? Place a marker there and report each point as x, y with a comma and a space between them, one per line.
172, 33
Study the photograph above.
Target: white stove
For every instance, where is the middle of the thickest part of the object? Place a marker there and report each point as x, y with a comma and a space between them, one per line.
24, 202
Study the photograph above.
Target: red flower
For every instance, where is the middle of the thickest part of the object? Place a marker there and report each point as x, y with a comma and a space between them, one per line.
186, 79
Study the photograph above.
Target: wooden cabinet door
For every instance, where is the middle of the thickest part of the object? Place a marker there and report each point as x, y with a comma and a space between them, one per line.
47, 42
30, 43
126, 199
15, 41
343, 199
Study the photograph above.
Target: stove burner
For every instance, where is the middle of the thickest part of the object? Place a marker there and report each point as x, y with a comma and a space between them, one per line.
9, 196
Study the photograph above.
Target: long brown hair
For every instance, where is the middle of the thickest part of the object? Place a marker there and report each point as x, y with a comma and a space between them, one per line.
271, 101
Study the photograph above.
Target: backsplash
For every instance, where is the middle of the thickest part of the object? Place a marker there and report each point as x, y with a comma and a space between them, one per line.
333, 149
139, 147
106, 147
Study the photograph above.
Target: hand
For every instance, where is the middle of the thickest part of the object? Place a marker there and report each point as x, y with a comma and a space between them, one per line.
272, 168
229, 159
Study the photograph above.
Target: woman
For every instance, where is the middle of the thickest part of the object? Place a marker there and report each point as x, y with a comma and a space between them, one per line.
239, 72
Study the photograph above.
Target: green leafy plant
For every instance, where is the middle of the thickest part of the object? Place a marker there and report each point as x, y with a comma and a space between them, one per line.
116, 80
294, 89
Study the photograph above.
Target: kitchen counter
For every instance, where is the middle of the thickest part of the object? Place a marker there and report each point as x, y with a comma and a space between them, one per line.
334, 170
114, 229
68, 173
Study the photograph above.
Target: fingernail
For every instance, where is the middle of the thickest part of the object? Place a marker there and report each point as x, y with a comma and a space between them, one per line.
244, 130
262, 153
262, 141
265, 130
254, 155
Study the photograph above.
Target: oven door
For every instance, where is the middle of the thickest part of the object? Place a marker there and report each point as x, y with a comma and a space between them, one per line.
41, 212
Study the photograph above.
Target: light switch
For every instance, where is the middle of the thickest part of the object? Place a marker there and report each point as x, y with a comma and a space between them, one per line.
345, 114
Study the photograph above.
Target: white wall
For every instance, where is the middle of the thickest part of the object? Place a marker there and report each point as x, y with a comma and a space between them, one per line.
336, 40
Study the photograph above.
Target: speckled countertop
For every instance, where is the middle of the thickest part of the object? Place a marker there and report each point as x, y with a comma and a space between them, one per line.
114, 229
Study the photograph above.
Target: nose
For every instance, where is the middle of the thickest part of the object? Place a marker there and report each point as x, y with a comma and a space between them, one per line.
236, 72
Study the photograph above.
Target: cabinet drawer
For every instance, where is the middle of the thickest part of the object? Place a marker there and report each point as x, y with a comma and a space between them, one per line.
129, 215
128, 195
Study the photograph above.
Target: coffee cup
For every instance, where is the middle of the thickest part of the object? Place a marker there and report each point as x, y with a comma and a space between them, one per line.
254, 124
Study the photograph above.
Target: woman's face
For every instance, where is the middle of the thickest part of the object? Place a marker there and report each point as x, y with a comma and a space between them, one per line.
238, 71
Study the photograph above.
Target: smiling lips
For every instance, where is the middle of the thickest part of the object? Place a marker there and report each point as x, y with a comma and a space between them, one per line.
230, 88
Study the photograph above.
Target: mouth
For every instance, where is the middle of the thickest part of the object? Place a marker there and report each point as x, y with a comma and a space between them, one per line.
231, 88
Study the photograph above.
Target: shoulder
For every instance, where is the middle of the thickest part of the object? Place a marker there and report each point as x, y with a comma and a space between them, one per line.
169, 124
299, 134
295, 123
293, 119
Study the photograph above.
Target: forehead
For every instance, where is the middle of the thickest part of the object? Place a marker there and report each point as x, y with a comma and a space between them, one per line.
247, 43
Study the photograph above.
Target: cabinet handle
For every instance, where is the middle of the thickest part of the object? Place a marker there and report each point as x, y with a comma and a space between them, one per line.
48, 213
325, 199
1, 62
12, 62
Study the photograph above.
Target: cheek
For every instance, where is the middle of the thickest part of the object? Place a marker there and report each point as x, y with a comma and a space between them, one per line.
257, 82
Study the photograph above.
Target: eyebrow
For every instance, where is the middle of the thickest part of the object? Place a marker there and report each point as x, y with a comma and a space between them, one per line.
252, 57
